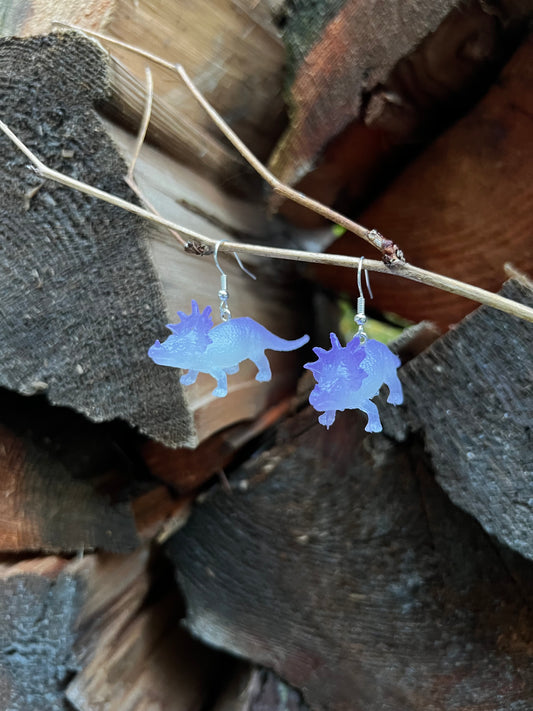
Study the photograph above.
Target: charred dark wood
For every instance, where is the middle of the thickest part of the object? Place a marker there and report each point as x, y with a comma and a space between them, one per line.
339, 562
81, 299
40, 599
471, 395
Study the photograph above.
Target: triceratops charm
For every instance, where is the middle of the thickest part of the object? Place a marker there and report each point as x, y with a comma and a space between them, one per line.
348, 377
201, 348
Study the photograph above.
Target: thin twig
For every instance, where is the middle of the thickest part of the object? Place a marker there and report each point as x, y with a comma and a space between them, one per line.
407, 271
392, 254
147, 113
130, 179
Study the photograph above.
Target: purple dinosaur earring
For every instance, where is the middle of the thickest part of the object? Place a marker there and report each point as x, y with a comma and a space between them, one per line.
199, 347
347, 378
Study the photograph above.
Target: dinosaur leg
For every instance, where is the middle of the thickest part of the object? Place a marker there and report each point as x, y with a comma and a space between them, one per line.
328, 418
189, 378
395, 389
221, 389
263, 367
374, 423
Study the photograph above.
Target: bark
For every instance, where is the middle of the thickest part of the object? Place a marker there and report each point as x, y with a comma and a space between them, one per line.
471, 395
85, 297
340, 562
40, 599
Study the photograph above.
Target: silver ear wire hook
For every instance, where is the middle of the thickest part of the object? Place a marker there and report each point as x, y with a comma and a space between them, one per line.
360, 316
223, 294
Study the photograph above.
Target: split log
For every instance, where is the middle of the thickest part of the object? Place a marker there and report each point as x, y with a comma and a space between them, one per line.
372, 83
463, 208
85, 297
230, 47
130, 651
471, 396
50, 458
339, 562
40, 599
98, 633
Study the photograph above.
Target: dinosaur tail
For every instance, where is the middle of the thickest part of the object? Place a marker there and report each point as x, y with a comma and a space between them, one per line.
276, 343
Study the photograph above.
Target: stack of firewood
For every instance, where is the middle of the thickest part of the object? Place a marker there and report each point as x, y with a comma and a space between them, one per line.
162, 548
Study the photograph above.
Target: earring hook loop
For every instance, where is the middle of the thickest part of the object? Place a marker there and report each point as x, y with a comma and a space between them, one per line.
223, 273
359, 269
360, 316
239, 262
223, 293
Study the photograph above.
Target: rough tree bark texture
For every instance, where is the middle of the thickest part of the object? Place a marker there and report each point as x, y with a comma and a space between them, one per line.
84, 299
40, 601
471, 395
80, 298
339, 561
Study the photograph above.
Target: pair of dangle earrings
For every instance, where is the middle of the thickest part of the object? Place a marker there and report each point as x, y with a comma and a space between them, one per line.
347, 377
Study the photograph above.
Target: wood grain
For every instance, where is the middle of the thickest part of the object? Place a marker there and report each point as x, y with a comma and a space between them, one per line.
231, 48
471, 396
372, 84
84, 298
463, 208
338, 52
130, 651
340, 562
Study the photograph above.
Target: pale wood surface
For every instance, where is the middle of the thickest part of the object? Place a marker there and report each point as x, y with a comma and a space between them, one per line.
231, 48
93, 261
131, 653
273, 299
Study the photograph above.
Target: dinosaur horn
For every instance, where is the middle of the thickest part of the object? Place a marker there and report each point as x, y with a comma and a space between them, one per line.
335, 343
319, 351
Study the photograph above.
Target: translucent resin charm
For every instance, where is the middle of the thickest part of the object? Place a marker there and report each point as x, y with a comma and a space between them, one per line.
201, 348
347, 377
